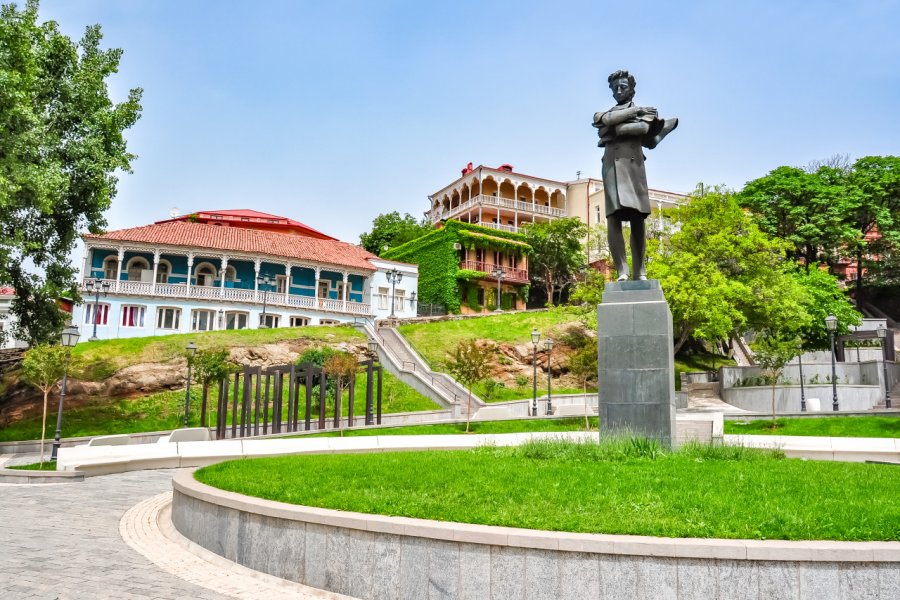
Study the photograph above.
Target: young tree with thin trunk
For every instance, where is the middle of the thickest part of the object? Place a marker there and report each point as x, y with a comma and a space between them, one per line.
340, 367
583, 365
772, 352
209, 366
43, 367
469, 364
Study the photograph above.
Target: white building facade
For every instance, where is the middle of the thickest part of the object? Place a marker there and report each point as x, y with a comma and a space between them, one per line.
231, 270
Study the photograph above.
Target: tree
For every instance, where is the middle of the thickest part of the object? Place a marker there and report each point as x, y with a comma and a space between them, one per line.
209, 366
772, 351
469, 364
391, 230
42, 367
557, 253
341, 367
721, 274
583, 365
61, 145
823, 297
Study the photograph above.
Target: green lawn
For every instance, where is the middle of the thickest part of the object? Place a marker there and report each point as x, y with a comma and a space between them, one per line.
621, 487
433, 341
874, 427
514, 426
165, 411
44, 466
96, 361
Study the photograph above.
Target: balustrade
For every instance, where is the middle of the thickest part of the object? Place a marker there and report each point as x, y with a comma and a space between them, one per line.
512, 274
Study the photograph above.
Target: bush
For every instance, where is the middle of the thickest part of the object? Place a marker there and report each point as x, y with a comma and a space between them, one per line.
522, 380
490, 388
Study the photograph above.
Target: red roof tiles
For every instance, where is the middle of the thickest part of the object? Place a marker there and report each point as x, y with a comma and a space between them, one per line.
238, 239
252, 219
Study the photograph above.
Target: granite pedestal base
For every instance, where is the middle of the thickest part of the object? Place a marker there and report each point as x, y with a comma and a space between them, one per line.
636, 364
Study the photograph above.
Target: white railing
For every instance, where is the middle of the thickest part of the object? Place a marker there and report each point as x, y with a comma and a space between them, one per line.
509, 228
509, 273
517, 205
180, 290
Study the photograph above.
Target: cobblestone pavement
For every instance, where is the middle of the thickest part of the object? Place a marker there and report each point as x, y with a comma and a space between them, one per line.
62, 541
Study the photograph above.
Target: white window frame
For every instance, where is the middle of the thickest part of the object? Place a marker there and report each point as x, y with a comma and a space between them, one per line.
161, 318
297, 321
271, 321
383, 294
111, 273
130, 265
212, 276
162, 276
329, 322
131, 309
196, 320
399, 298
102, 312
236, 316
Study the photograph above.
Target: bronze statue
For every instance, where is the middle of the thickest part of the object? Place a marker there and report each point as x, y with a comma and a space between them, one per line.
624, 130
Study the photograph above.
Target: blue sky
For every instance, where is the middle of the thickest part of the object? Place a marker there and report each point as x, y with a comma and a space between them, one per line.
333, 112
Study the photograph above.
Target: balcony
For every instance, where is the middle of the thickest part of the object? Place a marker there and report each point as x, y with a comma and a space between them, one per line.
512, 275
511, 205
180, 291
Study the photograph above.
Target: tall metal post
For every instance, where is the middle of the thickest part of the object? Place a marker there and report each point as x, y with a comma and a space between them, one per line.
534, 383
394, 276
369, 372
802, 389
549, 346
882, 335
59, 412
834, 398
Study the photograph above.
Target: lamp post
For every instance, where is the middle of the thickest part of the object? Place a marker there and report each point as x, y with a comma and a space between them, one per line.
882, 335
831, 324
394, 276
96, 286
802, 393
191, 350
548, 344
535, 338
221, 318
69, 337
373, 348
263, 281
498, 273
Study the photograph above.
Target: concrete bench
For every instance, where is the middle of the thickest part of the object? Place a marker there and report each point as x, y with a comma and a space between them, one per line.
190, 434
492, 413
122, 439
574, 410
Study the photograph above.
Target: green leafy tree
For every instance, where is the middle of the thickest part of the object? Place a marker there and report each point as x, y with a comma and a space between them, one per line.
583, 364
43, 367
209, 366
340, 367
391, 230
61, 146
772, 351
721, 274
469, 364
824, 297
557, 253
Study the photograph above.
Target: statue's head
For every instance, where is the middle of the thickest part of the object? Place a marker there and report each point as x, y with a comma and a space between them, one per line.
622, 85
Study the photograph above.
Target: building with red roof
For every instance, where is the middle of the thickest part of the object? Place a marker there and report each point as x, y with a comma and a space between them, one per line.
232, 269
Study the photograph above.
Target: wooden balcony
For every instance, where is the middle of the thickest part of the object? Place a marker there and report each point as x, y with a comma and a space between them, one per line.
511, 275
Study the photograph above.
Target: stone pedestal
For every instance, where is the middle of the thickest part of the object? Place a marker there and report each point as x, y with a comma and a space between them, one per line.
636, 364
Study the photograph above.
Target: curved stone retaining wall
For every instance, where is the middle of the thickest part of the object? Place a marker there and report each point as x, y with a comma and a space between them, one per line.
373, 556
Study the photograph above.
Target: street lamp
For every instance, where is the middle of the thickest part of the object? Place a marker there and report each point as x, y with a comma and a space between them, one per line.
263, 281
535, 338
831, 324
498, 273
221, 318
882, 335
69, 337
373, 348
802, 392
394, 276
96, 286
191, 350
548, 344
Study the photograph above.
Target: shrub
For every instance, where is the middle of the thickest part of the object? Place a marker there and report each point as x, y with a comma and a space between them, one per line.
522, 380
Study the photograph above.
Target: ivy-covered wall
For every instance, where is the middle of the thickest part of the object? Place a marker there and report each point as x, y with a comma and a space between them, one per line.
439, 272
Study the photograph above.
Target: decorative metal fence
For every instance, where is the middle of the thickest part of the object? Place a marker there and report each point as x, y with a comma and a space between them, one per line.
280, 399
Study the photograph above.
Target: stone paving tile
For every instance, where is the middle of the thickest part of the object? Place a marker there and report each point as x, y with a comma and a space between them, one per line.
62, 542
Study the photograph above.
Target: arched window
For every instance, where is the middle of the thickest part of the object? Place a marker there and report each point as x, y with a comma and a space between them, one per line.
135, 266
111, 268
206, 274
163, 270
230, 273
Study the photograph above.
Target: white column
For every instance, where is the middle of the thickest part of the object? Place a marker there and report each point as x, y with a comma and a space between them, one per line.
222, 277
86, 264
316, 293
287, 282
155, 268
344, 305
121, 256
256, 265
190, 264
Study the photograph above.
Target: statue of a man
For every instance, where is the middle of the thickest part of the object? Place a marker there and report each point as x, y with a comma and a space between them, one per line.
624, 130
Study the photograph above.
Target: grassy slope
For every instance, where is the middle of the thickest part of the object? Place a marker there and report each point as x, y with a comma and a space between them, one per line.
874, 427
515, 426
698, 492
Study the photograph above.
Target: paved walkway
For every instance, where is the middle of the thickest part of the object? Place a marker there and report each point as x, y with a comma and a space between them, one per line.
63, 541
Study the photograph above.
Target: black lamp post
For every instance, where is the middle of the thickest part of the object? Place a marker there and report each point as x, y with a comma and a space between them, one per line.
535, 338
499, 273
882, 335
831, 324
221, 318
191, 351
802, 393
548, 344
394, 276
70, 337
260, 282
96, 286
